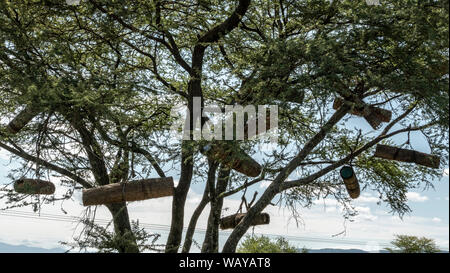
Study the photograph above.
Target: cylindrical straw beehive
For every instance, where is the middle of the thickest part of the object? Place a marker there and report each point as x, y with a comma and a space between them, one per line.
350, 181
232, 221
405, 155
232, 157
373, 115
34, 186
129, 191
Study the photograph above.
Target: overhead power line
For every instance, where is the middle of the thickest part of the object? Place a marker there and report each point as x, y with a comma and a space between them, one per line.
162, 227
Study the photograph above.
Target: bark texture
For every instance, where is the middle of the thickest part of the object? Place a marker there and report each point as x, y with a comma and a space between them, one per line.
211, 241
122, 228
129, 191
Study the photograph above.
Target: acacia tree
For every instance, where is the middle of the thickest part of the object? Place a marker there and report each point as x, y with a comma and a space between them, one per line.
104, 77
264, 244
413, 244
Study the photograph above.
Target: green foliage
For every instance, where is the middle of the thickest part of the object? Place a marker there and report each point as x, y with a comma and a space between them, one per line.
413, 244
98, 238
263, 244
121, 67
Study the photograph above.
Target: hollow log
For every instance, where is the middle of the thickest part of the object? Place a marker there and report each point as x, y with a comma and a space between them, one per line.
232, 221
350, 181
373, 115
22, 119
34, 186
130, 191
405, 155
232, 157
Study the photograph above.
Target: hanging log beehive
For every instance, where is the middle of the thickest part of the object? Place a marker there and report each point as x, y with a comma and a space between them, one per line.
350, 181
34, 186
130, 191
373, 115
232, 221
232, 157
405, 155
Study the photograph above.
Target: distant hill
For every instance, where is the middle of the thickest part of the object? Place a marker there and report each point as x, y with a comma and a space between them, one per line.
6, 248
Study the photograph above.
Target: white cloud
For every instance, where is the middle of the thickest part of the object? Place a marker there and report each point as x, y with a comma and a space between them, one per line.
367, 199
365, 214
416, 197
326, 202
330, 209
436, 220
363, 209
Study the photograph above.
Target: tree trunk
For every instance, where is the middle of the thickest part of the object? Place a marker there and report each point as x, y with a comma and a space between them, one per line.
179, 199
122, 228
211, 242
194, 218
195, 90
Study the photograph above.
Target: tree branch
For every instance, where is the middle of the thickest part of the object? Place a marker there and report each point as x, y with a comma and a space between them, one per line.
214, 34
47, 165
133, 148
